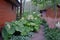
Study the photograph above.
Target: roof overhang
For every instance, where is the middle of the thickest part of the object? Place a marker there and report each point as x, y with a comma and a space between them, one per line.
14, 2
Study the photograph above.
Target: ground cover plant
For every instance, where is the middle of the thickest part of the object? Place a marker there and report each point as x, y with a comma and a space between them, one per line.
23, 28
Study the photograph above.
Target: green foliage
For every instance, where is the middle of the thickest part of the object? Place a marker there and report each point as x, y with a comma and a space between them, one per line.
10, 28
20, 38
28, 37
27, 24
5, 34
43, 4
52, 34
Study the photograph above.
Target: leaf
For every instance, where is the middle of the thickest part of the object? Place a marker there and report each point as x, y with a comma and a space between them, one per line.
26, 31
36, 28
20, 38
19, 27
10, 28
5, 35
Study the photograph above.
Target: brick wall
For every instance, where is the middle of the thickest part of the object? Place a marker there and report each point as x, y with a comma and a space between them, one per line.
7, 14
50, 13
50, 17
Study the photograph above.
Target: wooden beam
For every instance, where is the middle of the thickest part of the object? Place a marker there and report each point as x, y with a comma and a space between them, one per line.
20, 9
13, 2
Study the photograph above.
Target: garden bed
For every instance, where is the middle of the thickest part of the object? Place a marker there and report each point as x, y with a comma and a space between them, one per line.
22, 29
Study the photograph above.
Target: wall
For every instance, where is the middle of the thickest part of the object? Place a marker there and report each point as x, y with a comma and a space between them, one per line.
50, 17
6, 13
50, 13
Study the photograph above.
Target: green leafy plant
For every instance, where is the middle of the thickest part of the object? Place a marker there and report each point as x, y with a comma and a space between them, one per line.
44, 4
51, 34
22, 28
28, 37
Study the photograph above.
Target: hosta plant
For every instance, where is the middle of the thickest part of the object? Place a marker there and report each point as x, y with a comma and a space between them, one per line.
22, 28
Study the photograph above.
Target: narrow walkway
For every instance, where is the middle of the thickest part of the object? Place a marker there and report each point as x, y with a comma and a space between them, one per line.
39, 35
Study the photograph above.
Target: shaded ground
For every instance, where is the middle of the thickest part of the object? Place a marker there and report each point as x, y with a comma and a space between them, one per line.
39, 35
0, 36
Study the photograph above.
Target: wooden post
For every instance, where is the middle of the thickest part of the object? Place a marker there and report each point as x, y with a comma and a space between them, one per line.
17, 14
20, 9
23, 5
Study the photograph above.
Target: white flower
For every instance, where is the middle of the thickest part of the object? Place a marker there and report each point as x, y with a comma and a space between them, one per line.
35, 18
8, 25
58, 24
30, 17
22, 18
32, 24
39, 15
34, 12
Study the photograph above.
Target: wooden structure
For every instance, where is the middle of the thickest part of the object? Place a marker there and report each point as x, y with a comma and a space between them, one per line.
8, 11
51, 17
50, 13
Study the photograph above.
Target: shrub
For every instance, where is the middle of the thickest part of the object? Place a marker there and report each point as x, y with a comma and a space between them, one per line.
22, 28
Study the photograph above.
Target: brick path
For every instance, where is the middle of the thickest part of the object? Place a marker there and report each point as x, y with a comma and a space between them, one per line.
39, 35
